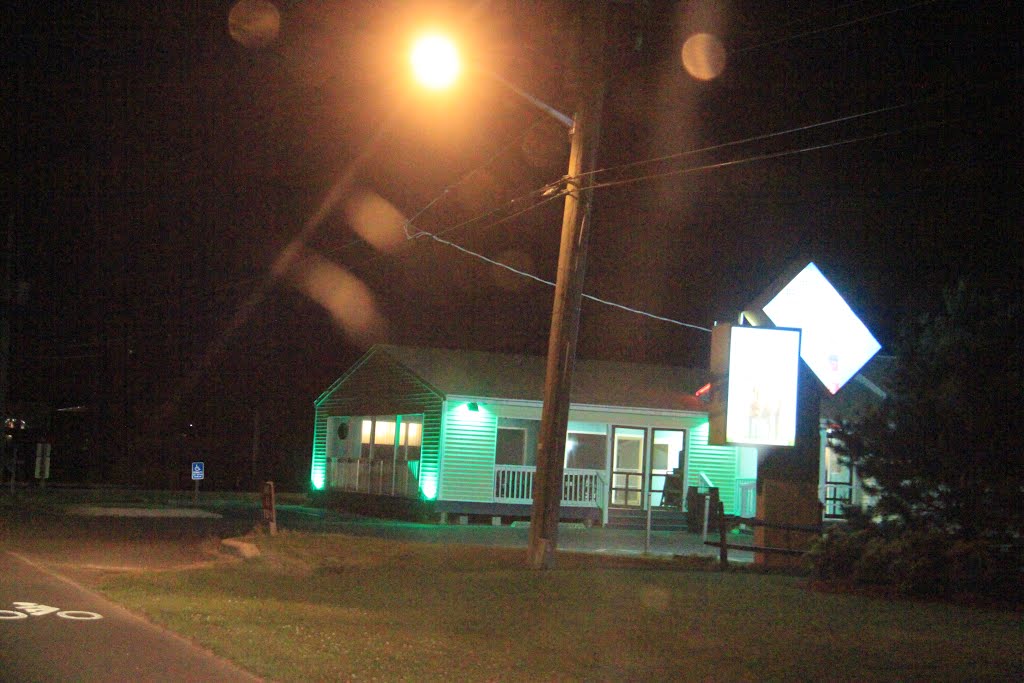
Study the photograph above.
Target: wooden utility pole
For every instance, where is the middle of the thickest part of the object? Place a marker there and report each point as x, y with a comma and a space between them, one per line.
565, 313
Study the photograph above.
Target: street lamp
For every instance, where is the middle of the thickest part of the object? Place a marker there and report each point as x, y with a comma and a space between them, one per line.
435, 61
584, 130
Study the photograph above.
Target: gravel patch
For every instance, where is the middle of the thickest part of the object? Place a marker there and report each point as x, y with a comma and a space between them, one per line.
97, 511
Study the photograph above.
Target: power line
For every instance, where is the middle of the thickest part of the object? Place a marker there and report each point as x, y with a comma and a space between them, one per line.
826, 29
694, 169
769, 155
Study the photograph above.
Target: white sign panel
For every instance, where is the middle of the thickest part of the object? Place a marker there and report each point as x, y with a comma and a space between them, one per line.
835, 343
762, 386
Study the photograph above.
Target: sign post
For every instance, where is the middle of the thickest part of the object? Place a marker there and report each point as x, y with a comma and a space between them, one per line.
198, 473
269, 507
43, 462
834, 345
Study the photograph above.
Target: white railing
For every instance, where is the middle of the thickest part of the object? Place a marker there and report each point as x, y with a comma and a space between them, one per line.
580, 488
378, 477
837, 497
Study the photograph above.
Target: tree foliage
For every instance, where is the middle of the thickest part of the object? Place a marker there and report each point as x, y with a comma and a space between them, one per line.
944, 451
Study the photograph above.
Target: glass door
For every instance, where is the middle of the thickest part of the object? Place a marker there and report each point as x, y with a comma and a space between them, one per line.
668, 463
628, 446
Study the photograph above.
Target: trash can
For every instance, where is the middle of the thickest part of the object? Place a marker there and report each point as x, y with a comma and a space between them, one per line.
695, 497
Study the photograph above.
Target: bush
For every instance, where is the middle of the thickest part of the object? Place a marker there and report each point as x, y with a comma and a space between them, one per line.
834, 556
916, 562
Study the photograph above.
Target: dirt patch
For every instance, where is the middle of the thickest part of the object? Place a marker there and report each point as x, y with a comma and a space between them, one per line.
90, 562
91, 549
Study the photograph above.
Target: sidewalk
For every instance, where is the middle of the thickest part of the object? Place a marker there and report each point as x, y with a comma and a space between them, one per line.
571, 537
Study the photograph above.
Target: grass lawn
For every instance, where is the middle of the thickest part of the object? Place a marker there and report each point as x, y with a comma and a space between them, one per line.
334, 607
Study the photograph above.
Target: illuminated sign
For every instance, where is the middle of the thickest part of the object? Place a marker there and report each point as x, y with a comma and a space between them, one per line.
755, 400
835, 343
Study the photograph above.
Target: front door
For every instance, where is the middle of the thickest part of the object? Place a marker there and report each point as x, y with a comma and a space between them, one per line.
668, 464
628, 447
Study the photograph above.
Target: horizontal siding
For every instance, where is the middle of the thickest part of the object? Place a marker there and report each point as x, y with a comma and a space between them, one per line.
467, 464
718, 462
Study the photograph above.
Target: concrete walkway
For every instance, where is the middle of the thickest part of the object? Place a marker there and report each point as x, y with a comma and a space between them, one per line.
571, 537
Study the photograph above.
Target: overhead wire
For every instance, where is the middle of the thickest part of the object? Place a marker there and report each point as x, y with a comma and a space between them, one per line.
826, 29
770, 155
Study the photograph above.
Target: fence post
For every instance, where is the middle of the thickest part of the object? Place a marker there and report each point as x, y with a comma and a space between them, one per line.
723, 549
707, 507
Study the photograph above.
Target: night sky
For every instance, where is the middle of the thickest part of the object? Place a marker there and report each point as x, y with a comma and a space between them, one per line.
158, 169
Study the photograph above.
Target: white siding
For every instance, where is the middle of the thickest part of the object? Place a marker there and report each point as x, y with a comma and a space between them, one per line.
467, 453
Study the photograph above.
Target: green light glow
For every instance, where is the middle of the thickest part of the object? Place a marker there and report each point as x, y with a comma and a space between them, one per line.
471, 411
317, 479
429, 487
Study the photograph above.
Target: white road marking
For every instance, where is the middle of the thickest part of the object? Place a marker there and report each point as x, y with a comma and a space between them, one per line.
79, 615
35, 609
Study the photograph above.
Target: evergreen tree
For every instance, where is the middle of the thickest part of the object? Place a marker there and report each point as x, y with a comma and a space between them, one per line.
944, 451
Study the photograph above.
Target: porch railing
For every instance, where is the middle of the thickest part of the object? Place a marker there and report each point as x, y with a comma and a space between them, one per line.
837, 497
580, 488
378, 477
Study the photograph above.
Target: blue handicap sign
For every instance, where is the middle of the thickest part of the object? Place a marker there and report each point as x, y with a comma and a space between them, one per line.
197, 470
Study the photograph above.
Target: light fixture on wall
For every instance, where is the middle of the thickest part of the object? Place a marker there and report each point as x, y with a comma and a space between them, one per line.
474, 406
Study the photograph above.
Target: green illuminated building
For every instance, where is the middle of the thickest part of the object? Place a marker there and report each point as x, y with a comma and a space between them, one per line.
459, 428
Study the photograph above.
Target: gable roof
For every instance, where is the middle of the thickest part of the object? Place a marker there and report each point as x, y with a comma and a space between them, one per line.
511, 376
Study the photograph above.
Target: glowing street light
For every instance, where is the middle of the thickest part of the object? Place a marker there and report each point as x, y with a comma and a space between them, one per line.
435, 61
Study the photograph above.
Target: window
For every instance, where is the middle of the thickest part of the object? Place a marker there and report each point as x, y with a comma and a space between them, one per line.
516, 441
410, 437
378, 434
585, 451
510, 448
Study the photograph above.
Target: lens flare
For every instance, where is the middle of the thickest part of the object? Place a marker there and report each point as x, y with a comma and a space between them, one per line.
376, 220
704, 56
349, 302
254, 23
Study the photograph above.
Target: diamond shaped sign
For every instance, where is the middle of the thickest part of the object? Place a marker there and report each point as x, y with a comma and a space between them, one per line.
835, 343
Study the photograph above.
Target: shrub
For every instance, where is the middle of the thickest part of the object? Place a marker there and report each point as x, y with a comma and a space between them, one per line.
917, 562
834, 555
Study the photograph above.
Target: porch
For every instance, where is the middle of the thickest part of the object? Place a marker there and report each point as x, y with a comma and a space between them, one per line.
380, 477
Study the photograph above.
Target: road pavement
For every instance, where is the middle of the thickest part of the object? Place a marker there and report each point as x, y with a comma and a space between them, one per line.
52, 629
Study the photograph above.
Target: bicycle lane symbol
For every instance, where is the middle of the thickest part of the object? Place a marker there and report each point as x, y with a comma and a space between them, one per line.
36, 610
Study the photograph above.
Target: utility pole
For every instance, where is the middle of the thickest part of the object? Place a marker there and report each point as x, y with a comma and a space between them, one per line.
565, 313
6, 310
255, 447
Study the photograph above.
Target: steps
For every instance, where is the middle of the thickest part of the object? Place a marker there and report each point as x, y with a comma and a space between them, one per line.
661, 520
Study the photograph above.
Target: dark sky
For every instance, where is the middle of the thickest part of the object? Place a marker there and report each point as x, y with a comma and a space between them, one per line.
157, 169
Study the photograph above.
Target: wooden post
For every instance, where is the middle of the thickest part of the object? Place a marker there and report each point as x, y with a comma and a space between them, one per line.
723, 549
269, 507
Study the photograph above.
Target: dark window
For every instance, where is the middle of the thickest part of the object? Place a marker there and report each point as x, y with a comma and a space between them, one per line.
511, 446
586, 451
